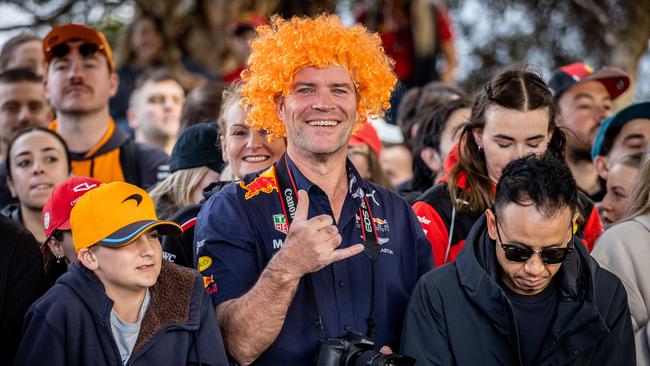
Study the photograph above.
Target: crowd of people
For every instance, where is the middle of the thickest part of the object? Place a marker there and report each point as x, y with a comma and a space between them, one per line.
150, 214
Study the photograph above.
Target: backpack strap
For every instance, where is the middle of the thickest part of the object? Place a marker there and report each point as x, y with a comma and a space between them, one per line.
129, 162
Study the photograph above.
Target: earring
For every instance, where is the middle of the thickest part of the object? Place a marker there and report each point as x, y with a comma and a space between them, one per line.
58, 259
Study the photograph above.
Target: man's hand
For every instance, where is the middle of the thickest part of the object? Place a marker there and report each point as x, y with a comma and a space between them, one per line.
311, 244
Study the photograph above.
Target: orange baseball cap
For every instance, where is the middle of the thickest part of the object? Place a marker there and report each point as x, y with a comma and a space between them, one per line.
72, 31
113, 215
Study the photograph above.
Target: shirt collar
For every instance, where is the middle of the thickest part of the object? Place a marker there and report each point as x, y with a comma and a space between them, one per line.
357, 186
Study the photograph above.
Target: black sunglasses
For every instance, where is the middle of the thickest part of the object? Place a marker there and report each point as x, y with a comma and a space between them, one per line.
86, 50
519, 253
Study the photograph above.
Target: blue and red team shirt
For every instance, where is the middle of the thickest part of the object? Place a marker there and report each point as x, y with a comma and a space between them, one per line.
240, 228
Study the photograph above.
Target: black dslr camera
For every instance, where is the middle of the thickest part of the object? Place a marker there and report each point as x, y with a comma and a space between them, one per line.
354, 349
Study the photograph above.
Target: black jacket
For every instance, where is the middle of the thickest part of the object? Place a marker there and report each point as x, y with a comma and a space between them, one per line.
459, 315
21, 273
178, 248
70, 324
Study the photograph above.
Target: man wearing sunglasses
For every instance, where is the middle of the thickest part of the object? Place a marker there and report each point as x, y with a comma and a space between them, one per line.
523, 290
80, 80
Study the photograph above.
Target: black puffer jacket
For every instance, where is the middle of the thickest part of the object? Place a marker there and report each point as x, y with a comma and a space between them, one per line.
459, 315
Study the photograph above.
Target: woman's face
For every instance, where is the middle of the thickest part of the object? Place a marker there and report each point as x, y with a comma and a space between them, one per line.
509, 134
38, 163
620, 182
146, 42
245, 149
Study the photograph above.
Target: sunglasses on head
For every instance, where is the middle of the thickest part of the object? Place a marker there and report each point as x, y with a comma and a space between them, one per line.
520, 253
86, 50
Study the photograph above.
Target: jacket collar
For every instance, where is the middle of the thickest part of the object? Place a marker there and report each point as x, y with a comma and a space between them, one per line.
175, 299
112, 139
357, 186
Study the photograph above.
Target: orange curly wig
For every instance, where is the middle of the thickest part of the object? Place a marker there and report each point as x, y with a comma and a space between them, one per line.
284, 47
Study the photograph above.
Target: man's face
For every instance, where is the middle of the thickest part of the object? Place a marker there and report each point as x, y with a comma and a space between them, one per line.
22, 105
132, 267
28, 55
320, 112
581, 109
157, 109
78, 85
526, 226
633, 138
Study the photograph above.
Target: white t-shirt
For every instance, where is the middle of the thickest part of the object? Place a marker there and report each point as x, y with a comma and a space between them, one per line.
126, 334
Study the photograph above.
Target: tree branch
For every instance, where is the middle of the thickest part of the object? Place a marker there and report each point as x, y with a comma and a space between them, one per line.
40, 20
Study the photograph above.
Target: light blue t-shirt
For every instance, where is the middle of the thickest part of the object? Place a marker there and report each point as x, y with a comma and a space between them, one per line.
126, 334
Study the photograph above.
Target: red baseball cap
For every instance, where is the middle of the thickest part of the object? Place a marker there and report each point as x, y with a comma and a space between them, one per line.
366, 134
615, 80
56, 212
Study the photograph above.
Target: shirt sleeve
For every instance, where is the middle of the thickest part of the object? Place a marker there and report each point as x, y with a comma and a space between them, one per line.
224, 247
444, 24
434, 228
423, 248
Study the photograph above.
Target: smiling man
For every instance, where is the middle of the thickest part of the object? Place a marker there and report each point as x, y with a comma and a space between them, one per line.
121, 303
281, 251
523, 290
80, 79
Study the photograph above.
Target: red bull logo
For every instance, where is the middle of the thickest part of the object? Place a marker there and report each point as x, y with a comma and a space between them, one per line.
264, 183
209, 284
208, 280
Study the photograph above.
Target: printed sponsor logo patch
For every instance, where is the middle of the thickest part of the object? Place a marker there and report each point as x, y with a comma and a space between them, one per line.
208, 280
209, 284
204, 263
264, 183
381, 224
280, 223
424, 220
46, 220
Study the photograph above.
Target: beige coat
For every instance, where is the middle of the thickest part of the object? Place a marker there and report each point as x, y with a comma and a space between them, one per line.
624, 250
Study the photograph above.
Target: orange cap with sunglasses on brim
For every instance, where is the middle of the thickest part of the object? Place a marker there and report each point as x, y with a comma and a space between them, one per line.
113, 215
61, 34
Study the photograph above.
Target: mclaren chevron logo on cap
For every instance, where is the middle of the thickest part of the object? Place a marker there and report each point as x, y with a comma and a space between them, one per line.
136, 197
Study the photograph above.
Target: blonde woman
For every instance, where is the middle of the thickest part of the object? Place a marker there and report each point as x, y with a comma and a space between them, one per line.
195, 163
624, 249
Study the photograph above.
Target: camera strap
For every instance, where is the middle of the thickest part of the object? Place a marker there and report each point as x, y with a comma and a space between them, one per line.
289, 200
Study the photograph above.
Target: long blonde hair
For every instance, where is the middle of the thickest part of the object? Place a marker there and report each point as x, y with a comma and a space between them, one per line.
640, 203
175, 192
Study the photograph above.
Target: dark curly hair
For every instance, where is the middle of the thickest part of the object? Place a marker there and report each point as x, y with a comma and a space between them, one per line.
543, 181
432, 123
